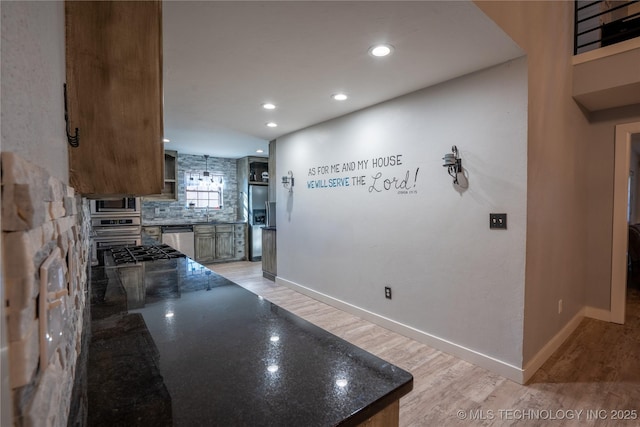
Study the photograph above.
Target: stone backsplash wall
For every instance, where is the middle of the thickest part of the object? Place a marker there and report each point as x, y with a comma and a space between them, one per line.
42, 219
175, 212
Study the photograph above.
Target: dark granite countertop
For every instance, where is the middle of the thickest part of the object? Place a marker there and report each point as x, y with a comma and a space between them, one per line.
207, 352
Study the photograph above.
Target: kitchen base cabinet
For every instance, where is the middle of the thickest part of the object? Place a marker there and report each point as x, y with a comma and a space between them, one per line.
219, 243
205, 242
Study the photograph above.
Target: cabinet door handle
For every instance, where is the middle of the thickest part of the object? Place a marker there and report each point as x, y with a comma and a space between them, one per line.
73, 140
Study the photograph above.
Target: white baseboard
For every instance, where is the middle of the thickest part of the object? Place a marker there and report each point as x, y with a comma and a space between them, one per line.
545, 352
500, 367
598, 313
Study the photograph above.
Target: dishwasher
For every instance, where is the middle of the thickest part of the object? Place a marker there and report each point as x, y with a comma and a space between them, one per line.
179, 237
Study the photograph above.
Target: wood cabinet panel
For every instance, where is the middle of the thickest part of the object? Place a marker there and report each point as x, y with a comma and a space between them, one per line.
170, 189
388, 417
240, 241
244, 168
204, 229
205, 247
226, 228
224, 245
114, 82
269, 254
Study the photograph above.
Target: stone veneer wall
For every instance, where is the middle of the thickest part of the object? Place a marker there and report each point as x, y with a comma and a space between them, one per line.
176, 211
40, 214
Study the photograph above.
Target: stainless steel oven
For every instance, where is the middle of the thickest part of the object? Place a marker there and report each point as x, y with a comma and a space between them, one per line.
114, 231
118, 206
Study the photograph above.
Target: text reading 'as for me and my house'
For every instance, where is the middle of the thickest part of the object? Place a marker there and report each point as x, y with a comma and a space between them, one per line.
377, 175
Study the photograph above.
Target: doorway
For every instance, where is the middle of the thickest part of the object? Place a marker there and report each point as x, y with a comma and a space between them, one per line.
622, 156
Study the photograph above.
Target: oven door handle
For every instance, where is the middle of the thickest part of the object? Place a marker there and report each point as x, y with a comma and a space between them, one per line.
117, 231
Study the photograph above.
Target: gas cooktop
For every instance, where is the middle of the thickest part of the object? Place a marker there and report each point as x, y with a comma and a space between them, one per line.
129, 254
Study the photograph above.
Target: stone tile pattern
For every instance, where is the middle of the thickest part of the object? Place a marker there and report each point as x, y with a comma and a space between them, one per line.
40, 213
176, 212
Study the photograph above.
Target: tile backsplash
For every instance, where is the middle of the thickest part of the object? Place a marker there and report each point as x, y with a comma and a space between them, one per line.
175, 212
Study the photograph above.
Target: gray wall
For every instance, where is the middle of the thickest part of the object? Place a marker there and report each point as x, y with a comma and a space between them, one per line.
33, 71
452, 278
176, 212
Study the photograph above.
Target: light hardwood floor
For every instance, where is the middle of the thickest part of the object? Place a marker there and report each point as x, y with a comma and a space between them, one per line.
597, 369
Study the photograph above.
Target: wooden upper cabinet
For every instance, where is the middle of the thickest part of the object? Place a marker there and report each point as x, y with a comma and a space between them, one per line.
114, 89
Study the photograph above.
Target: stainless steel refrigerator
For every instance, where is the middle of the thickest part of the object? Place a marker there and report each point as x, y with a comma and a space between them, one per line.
257, 219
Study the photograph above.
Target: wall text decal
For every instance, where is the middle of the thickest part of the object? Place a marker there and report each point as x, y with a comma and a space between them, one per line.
358, 174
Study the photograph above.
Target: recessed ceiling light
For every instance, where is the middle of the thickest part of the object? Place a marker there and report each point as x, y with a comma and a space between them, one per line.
166, 140
259, 151
380, 50
272, 125
339, 96
269, 106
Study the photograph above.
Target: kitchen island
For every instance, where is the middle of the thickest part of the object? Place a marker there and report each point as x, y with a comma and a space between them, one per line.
177, 344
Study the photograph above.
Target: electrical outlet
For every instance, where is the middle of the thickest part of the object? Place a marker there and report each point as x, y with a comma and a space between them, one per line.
559, 306
498, 220
387, 292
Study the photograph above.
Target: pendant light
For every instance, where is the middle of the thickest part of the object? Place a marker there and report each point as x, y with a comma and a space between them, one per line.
206, 165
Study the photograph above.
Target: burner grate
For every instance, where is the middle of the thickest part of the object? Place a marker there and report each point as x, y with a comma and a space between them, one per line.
132, 254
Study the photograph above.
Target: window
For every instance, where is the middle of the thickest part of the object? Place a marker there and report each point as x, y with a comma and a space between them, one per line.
204, 191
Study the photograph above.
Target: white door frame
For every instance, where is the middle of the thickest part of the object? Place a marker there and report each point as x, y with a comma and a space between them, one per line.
620, 227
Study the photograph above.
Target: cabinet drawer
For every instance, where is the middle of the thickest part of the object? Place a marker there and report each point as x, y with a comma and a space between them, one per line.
153, 232
204, 229
226, 228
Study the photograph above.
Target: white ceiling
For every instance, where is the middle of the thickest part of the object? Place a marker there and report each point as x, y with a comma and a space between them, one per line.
222, 60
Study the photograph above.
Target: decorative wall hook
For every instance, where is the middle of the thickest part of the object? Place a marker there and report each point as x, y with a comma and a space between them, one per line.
453, 163
73, 140
287, 181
